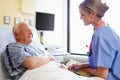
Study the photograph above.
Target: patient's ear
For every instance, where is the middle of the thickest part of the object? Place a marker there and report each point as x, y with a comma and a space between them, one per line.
15, 35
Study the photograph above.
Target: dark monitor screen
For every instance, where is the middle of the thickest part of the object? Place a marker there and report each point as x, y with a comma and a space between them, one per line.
44, 21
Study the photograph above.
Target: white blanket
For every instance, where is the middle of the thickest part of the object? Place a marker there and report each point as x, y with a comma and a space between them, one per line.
51, 71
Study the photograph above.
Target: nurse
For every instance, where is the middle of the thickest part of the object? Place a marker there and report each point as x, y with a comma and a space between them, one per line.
104, 56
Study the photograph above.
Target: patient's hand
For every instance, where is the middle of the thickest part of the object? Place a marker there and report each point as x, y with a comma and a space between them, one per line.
62, 66
76, 66
52, 58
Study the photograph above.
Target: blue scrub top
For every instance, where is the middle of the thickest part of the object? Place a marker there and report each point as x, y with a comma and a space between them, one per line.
106, 51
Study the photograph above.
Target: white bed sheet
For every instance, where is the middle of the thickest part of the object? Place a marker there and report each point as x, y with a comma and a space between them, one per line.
51, 71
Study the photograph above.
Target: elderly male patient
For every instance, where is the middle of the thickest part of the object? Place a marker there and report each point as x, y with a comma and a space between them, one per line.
21, 56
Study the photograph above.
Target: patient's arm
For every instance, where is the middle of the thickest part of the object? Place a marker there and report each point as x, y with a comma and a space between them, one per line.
34, 62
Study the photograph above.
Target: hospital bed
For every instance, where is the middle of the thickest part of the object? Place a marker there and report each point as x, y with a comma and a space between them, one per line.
49, 71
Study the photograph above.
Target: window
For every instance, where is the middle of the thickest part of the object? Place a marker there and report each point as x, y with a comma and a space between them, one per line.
79, 36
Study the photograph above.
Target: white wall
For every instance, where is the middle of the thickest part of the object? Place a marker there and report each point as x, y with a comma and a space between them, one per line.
58, 36
112, 16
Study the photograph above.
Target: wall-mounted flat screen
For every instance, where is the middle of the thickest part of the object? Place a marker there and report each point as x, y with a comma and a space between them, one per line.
44, 21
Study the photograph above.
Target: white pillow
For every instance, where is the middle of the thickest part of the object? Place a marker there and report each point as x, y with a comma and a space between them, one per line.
36, 40
6, 37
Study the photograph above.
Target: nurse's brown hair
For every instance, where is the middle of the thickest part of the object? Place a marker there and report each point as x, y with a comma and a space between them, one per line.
94, 5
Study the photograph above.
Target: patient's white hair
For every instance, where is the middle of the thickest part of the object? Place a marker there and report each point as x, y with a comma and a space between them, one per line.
16, 27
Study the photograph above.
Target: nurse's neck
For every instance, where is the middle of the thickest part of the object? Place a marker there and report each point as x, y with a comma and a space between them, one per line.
98, 24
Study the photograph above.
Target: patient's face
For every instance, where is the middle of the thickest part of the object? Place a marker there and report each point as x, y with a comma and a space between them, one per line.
24, 34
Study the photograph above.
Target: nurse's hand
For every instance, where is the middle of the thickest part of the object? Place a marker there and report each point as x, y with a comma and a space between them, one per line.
76, 66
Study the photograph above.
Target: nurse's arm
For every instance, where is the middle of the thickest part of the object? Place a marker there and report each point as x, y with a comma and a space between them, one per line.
99, 72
